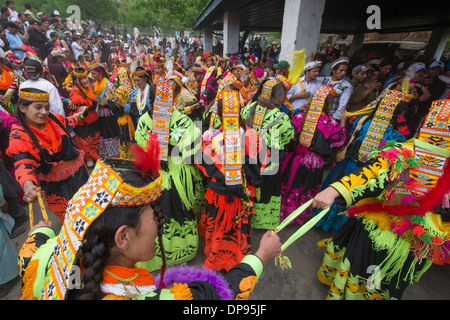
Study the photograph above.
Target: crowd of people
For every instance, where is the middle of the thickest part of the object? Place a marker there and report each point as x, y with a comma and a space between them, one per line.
140, 149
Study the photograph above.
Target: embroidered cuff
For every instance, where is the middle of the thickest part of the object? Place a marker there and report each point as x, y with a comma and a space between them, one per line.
254, 262
49, 232
343, 191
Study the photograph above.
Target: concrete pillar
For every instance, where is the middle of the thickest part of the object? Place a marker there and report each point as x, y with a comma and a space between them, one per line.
357, 43
437, 42
302, 21
207, 40
231, 24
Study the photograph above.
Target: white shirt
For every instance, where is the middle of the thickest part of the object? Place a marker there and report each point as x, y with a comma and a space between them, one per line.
76, 49
311, 87
55, 102
344, 90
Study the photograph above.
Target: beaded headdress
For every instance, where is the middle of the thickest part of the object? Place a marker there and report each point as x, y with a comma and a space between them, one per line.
232, 138
432, 146
381, 120
162, 113
313, 114
34, 97
80, 72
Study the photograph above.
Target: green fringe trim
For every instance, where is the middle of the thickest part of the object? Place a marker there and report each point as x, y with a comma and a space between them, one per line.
398, 251
182, 176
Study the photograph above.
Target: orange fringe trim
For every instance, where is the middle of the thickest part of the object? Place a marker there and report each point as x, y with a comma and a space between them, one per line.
227, 211
181, 291
63, 169
29, 278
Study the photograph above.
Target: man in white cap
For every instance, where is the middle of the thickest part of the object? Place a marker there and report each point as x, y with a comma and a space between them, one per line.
300, 94
437, 86
344, 89
34, 72
363, 93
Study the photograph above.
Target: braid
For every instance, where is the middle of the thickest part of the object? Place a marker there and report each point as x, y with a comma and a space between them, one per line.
95, 255
99, 239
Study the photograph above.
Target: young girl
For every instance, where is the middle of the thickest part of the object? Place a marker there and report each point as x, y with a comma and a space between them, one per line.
101, 247
107, 111
44, 153
87, 134
139, 103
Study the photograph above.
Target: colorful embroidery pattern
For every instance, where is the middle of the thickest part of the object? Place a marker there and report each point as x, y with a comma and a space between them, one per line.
232, 140
435, 131
313, 115
162, 114
380, 122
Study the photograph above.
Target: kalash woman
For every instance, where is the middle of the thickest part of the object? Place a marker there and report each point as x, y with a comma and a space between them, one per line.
379, 122
43, 152
302, 170
183, 189
87, 134
140, 102
232, 160
112, 223
399, 224
159, 68
264, 115
107, 112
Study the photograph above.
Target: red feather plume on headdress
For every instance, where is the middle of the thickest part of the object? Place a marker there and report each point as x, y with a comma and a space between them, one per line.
147, 160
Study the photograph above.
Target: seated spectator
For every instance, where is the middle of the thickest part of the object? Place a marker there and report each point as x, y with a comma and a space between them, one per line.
15, 42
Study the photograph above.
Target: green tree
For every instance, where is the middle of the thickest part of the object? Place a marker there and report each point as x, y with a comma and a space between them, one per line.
173, 14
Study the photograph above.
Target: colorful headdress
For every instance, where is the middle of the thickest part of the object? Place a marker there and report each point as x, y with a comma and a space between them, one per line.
99, 68
198, 67
232, 138
260, 110
158, 61
33, 97
432, 146
313, 114
206, 78
80, 72
104, 188
229, 80
381, 120
267, 88
141, 72
122, 94
94, 65
162, 113
125, 62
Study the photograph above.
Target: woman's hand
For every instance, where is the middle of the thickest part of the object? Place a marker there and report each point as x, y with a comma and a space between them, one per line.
80, 114
269, 247
41, 224
29, 189
325, 199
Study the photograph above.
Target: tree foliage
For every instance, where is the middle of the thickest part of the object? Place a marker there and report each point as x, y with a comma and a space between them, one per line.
173, 14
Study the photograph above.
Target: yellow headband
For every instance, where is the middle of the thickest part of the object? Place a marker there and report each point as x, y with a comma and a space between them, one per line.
34, 97
80, 75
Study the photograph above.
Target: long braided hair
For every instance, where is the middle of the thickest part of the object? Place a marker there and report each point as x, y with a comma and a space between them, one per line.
43, 153
99, 238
